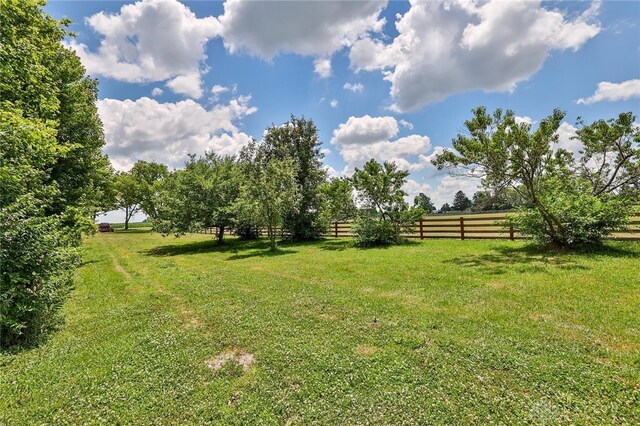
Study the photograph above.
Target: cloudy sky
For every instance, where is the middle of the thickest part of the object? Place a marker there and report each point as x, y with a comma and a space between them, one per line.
385, 80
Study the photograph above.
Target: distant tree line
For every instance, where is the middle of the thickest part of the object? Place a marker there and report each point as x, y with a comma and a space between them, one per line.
482, 201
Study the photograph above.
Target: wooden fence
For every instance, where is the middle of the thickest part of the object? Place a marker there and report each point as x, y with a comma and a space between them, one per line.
473, 226
465, 226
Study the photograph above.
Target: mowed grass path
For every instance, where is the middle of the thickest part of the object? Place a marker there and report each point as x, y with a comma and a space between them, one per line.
440, 331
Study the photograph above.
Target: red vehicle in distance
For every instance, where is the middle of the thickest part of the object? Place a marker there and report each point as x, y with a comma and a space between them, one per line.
105, 227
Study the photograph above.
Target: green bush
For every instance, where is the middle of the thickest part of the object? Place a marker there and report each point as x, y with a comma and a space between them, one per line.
582, 219
53, 174
37, 258
370, 232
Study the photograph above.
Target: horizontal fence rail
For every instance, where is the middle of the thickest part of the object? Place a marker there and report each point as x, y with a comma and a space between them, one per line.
466, 226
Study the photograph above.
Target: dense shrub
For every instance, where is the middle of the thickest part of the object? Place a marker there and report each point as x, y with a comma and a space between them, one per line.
583, 219
372, 232
37, 258
52, 171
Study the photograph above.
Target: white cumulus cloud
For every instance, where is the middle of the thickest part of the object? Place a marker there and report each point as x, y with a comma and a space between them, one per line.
449, 185
607, 91
150, 40
217, 90
406, 124
448, 47
307, 28
187, 84
413, 188
524, 119
363, 138
145, 129
566, 139
322, 67
314, 28
365, 130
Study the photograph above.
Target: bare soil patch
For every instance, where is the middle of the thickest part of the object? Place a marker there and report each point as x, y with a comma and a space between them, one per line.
233, 356
366, 350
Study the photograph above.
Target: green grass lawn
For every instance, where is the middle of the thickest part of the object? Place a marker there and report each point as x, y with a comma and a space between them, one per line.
440, 331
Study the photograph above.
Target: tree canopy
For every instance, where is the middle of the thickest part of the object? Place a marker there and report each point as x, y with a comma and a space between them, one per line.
424, 202
298, 140
461, 202
52, 171
269, 191
149, 177
202, 195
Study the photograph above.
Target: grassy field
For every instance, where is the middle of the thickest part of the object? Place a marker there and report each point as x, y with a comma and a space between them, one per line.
166, 331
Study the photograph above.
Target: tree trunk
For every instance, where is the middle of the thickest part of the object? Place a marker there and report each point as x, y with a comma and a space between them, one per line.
220, 234
126, 218
272, 237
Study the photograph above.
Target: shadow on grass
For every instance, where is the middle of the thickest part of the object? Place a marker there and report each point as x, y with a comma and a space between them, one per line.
531, 258
89, 262
241, 249
207, 246
261, 253
335, 245
238, 249
343, 244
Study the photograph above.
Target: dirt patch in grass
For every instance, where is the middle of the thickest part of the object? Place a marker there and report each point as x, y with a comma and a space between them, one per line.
257, 268
190, 318
496, 285
328, 316
233, 356
366, 350
118, 267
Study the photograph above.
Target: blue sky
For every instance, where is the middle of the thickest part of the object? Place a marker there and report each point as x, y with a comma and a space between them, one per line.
416, 70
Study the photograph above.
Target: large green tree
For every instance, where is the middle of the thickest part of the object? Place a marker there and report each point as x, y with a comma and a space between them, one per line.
52, 171
572, 202
269, 190
446, 208
128, 195
486, 200
461, 202
338, 202
424, 202
149, 177
610, 159
298, 141
202, 195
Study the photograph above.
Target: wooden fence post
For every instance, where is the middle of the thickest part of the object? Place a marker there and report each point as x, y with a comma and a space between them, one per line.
461, 228
511, 233
421, 230
335, 225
